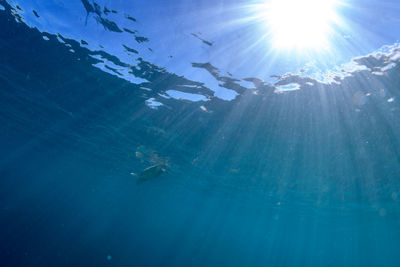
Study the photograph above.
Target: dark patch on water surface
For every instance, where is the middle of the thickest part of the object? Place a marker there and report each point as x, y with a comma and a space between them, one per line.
88, 7
108, 24
141, 39
227, 82
130, 18
130, 31
113, 69
106, 11
130, 49
96, 9
201, 39
36, 14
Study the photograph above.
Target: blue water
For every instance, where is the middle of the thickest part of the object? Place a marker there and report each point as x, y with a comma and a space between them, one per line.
304, 178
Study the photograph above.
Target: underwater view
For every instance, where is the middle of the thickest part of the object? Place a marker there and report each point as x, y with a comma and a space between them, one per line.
199, 133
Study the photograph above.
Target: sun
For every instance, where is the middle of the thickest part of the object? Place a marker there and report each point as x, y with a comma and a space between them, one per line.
300, 24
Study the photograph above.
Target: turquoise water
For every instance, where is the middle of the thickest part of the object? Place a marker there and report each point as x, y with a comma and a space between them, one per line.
307, 177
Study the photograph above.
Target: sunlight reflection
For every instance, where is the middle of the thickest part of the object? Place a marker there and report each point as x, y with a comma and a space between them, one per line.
305, 24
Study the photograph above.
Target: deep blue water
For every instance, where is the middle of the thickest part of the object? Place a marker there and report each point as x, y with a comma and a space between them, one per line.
305, 178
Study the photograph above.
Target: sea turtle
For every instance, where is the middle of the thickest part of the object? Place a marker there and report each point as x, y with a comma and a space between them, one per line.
150, 172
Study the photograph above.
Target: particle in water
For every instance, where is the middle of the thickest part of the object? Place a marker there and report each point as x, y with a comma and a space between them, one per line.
203, 108
390, 100
382, 212
234, 170
109, 257
359, 98
382, 92
195, 160
139, 154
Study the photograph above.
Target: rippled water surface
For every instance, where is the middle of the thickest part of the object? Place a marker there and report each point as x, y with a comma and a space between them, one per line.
172, 133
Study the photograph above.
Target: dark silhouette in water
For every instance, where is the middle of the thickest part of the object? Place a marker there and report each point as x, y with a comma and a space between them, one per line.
150, 172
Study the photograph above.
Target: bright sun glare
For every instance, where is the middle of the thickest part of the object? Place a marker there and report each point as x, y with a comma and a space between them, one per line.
300, 24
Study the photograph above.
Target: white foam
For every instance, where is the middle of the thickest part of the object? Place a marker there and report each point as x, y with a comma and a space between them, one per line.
287, 88
152, 103
186, 96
